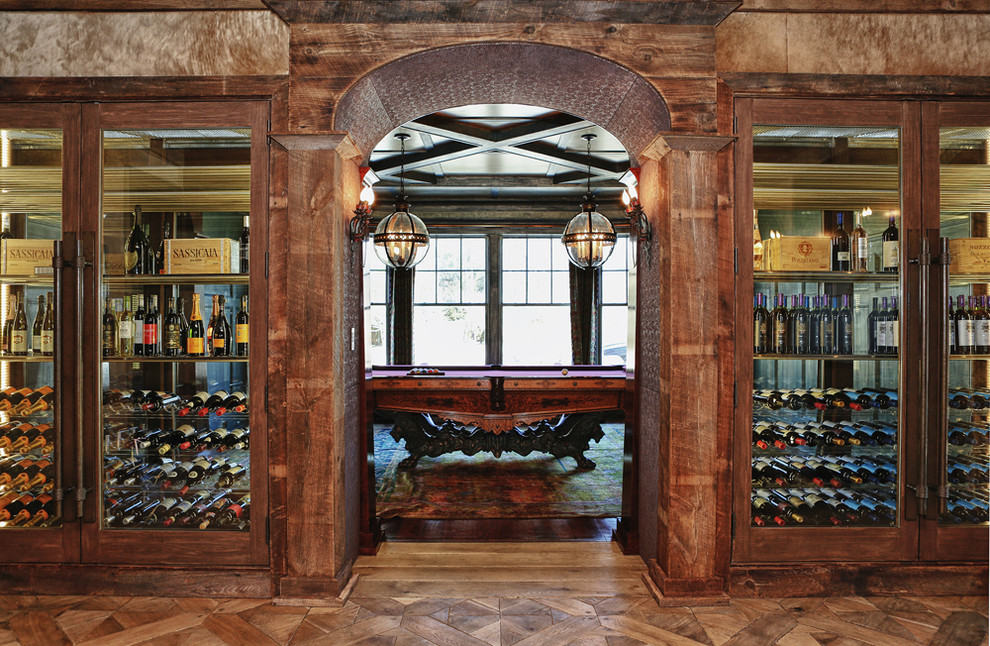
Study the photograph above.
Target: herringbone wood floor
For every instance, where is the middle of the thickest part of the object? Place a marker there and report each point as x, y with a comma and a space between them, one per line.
485, 594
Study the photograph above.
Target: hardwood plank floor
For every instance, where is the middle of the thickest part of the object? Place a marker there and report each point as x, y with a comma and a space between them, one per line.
495, 594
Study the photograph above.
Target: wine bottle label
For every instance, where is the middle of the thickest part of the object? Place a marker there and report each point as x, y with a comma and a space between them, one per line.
893, 334
983, 332
125, 330
150, 333
36, 343
861, 249
964, 333
842, 256
780, 333
109, 338
891, 255
19, 342
173, 337
242, 332
194, 345
218, 343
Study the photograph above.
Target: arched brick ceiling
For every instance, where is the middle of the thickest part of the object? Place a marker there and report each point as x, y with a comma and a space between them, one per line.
568, 80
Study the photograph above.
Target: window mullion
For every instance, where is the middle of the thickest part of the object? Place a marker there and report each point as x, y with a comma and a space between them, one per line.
493, 300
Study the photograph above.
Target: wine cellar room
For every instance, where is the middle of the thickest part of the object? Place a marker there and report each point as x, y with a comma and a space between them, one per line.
228, 191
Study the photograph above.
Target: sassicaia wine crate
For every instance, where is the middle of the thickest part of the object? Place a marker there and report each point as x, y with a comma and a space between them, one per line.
798, 253
21, 257
969, 255
202, 256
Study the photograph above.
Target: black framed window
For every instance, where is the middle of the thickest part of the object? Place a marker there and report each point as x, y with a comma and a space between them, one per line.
512, 308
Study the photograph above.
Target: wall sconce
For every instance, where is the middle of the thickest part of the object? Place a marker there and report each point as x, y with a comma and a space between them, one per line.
361, 221
639, 226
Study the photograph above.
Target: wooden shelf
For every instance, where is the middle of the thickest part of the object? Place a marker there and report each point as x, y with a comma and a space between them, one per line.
174, 359
179, 279
39, 280
824, 277
10, 358
834, 357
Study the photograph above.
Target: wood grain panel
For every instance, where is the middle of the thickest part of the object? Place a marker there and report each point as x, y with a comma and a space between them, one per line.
138, 87
797, 580
84, 579
351, 50
855, 6
859, 85
131, 5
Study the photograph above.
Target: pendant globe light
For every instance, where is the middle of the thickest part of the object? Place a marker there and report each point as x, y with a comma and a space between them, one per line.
589, 237
401, 239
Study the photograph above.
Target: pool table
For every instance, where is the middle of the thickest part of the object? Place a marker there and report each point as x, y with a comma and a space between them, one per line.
520, 409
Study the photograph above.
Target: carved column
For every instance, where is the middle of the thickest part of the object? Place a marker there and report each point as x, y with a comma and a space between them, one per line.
684, 370
318, 517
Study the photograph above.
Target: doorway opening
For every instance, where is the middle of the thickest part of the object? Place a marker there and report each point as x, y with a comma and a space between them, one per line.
496, 184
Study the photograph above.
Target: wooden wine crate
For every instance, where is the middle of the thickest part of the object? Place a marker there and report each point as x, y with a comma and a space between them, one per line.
202, 256
26, 257
798, 253
969, 255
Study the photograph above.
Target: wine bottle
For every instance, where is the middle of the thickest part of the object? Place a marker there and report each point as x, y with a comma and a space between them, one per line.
882, 329
828, 329
159, 401
48, 328
950, 320
151, 346
860, 245
840, 246
981, 325
213, 402
172, 342
229, 477
209, 327
964, 328
15, 399
194, 403
8, 325
139, 326
180, 309
136, 247
893, 328
160, 258
798, 326
236, 402
844, 327
109, 338
38, 326
242, 335
244, 245
222, 336
757, 244
196, 335
125, 329
39, 400
19, 342
778, 319
871, 329
891, 248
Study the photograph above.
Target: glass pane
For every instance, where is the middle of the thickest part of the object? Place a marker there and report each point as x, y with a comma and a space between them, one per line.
559, 261
539, 287
448, 252
449, 335
448, 287
175, 322
561, 287
424, 286
31, 213
378, 284
513, 253
473, 287
536, 335
474, 253
513, 287
965, 206
827, 333
539, 253
376, 334
614, 287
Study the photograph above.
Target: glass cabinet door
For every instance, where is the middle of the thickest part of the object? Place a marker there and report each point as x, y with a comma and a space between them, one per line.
826, 415
961, 480
33, 459
176, 447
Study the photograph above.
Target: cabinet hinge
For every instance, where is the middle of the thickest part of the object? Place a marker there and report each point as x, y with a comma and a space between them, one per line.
735, 394
266, 264
266, 395
732, 527
268, 530
735, 260
735, 123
